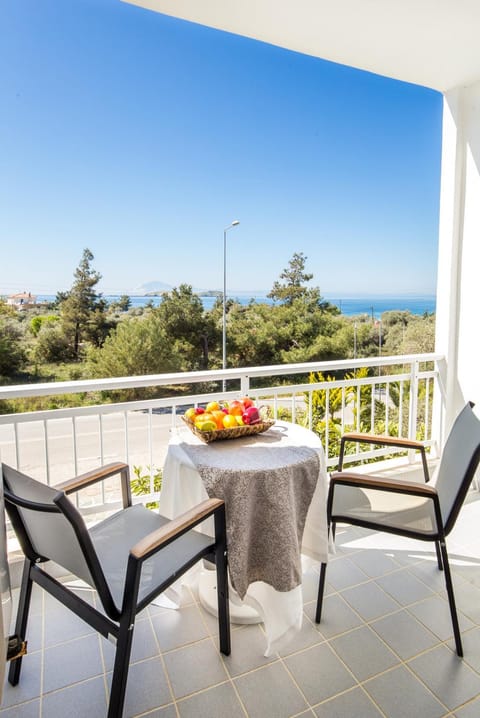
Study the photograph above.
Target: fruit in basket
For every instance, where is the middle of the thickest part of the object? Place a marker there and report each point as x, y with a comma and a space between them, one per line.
218, 416
251, 415
206, 416
229, 421
239, 412
212, 406
206, 422
192, 413
246, 401
208, 425
236, 408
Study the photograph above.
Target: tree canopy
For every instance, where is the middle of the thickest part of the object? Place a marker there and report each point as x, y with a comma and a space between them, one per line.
80, 330
82, 309
12, 349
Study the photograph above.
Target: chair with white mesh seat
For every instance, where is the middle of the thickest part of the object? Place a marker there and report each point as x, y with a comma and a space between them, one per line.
424, 511
129, 558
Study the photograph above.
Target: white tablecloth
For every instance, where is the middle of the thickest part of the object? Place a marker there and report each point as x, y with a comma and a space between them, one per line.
182, 488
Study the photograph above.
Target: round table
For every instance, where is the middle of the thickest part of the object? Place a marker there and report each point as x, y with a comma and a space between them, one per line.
277, 456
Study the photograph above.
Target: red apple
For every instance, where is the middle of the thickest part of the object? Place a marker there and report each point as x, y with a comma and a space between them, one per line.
199, 410
251, 415
246, 401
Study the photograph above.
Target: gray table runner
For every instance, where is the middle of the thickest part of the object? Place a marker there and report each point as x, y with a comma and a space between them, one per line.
267, 486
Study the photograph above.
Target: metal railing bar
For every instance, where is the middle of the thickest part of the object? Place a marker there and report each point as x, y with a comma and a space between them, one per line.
71, 387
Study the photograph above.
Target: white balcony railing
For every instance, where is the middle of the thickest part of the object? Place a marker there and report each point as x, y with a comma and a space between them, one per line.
56, 444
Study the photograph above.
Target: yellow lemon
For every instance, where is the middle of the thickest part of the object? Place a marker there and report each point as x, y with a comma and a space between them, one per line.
200, 418
206, 425
229, 421
240, 421
190, 414
213, 406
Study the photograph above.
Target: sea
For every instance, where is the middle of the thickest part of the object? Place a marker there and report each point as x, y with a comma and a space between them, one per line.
374, 305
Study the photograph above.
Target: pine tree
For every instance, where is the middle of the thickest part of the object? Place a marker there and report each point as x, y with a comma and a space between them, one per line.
82, 309
295, 278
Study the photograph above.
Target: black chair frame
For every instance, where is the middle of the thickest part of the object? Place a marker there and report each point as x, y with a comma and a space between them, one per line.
116, 624
364, 481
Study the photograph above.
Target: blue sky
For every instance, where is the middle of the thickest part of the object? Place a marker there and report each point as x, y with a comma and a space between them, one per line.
141, 137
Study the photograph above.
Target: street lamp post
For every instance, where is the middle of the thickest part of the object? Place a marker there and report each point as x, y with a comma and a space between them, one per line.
235, 223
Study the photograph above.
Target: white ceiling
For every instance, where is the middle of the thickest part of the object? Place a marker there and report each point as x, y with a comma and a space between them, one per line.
435, 43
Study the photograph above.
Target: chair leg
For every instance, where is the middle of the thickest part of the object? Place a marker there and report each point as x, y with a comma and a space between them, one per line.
22, 620
223, 607
321, 583
321, 589
120, 668
451, 598
439, 556
221, 564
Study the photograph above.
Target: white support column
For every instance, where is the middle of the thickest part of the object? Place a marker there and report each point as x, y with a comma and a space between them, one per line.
458, 282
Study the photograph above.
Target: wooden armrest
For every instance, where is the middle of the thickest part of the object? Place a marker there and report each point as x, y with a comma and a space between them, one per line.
394, 441
386, 440
91, 477
103, 472
156, 539
381, 483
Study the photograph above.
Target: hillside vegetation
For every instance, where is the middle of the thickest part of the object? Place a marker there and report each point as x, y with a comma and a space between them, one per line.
81, 336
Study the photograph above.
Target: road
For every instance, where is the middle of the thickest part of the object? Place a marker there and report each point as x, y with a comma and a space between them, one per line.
97, 443
112, 433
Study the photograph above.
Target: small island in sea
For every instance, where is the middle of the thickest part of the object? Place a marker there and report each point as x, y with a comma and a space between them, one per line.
210, 293
202, 293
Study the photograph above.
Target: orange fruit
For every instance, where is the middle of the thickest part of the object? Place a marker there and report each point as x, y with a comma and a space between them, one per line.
236, 408
218, 417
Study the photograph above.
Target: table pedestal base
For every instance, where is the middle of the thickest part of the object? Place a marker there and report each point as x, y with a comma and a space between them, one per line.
207, 593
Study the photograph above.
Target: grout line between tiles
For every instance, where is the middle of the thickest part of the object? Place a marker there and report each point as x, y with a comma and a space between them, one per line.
162, 661
363, 685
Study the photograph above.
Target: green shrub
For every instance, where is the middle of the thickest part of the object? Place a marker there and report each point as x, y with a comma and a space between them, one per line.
141, 483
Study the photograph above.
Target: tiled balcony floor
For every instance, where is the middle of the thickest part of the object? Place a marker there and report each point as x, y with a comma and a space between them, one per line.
384, 647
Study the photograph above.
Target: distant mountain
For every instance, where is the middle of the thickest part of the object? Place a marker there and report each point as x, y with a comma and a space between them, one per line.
155, 287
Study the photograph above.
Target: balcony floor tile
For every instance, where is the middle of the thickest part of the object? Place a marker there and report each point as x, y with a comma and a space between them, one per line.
384, 647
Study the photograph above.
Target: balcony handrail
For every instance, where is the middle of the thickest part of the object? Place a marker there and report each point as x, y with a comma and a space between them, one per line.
289, 397
189, 399
135, 382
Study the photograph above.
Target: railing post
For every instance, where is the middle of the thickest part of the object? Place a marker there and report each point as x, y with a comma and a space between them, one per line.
413, 407
74, 442
244, 384
17, 446
47, 458
439, 424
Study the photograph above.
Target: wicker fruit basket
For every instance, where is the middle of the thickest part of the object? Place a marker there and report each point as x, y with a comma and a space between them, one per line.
235, 433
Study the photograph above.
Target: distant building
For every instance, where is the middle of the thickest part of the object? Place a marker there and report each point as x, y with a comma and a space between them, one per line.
22, 301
